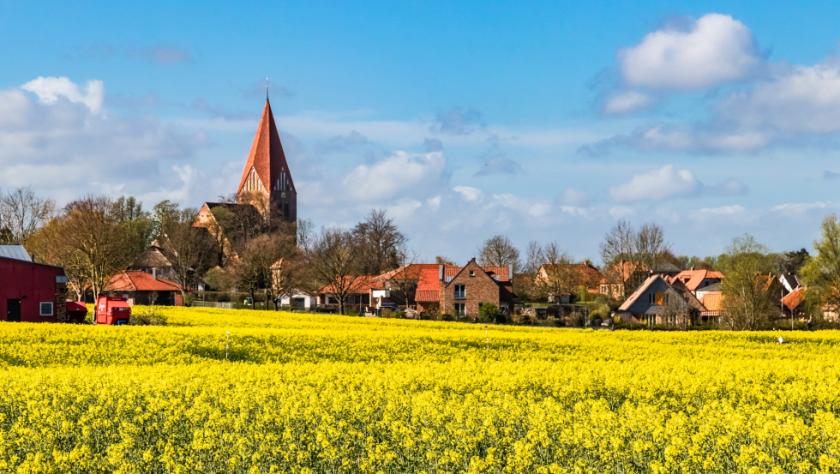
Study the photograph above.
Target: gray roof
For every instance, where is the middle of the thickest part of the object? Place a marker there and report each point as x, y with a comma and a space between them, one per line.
15, 252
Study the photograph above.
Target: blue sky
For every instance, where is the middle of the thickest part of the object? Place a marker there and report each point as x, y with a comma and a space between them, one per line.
542, 120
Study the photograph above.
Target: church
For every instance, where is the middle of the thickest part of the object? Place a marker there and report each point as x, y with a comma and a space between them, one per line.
265, 199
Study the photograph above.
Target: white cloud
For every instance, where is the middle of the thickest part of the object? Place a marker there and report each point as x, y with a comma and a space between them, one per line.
51, 89
468, 193
713, 49
802, 99
795, 209
666, 182
628, 101
683, 139
57, 141
733, 210
399, 173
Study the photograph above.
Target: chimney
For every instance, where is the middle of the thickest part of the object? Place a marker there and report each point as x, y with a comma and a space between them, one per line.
442, 272
510, 272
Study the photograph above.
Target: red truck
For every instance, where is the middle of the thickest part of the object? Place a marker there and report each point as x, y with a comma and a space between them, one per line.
111, 310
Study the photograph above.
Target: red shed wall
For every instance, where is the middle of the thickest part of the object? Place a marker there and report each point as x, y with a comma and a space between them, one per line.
31, 283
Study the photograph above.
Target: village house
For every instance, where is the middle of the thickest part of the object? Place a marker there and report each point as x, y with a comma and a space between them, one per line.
584, 275
358, 291
139, 287
622, 276
658, 302
461, 291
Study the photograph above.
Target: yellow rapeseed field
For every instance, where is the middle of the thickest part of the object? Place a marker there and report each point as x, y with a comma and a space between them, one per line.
251, 391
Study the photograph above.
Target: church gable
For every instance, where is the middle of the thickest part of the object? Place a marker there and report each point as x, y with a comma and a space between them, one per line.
253, 183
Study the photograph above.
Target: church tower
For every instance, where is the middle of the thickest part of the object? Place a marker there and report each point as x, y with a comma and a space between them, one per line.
266, 181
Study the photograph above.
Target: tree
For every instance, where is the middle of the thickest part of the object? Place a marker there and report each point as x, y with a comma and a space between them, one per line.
533, 257
189, 249
628, 254
333, 260
254, 270
749, 293
135, 224
499, 251
792, 262
92, 239
821, 273
380, 244
441, 260
617, 250
402, 281
22, 213
649, 246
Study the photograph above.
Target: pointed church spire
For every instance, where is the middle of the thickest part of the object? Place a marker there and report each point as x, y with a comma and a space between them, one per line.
266, 179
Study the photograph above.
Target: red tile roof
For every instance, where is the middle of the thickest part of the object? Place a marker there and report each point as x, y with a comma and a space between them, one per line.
793, 299
360, 285
139, 281
411, 271
692, 279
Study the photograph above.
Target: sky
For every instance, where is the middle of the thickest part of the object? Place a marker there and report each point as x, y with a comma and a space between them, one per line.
546, 121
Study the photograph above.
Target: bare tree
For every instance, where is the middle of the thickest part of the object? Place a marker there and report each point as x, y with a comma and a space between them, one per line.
650, 246
533, 257
628, 254
334, 262
22, 213
618, 247
381, 245
499, 251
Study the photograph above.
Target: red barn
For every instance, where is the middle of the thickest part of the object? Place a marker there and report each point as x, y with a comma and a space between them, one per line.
31, 291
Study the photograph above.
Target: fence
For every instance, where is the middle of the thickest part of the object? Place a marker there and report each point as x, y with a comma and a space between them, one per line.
213, 304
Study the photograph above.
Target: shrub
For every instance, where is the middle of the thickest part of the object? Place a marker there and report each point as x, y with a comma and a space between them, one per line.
490, 313
148, 317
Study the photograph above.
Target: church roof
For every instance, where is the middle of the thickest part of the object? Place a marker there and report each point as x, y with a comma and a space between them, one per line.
266, 155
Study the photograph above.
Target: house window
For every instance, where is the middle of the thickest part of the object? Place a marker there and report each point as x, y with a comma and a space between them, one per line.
460, 292
46, 308
472, 273
460, 309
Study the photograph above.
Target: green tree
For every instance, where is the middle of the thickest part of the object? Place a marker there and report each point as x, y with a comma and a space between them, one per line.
750, 295
821, 273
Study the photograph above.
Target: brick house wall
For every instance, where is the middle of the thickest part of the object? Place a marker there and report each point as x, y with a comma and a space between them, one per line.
479, 286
